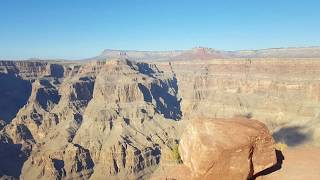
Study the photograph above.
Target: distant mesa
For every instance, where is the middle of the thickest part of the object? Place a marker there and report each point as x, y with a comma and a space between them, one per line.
196, 53
204, 53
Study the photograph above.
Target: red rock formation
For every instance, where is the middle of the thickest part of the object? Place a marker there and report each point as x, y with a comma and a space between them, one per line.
224, 149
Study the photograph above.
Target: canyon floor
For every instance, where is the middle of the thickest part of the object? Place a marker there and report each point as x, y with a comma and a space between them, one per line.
122, 119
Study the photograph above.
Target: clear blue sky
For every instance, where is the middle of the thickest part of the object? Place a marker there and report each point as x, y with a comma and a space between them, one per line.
83, 28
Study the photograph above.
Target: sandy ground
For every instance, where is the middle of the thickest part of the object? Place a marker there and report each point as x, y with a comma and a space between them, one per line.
302, 163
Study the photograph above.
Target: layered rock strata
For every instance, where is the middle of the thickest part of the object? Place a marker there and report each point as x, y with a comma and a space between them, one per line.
120, 118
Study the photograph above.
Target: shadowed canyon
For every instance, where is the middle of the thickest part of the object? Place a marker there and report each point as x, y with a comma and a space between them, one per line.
121, 115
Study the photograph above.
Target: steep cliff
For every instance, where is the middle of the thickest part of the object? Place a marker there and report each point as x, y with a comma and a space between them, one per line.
282, 93
99, 119
120, 118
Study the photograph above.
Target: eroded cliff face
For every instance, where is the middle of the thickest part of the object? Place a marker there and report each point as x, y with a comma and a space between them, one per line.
130, 118
93, 120
121, 118
282, 93
52, 111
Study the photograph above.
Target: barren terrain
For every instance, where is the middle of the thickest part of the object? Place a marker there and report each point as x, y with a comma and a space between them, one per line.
121, 119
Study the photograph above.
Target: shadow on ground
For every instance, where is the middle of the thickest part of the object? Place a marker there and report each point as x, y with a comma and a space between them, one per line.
272, 169
291, 136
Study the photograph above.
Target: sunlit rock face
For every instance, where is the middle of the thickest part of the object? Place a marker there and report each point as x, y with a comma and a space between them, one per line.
282, 93
100, 119
227, 148
236, 148
120, 118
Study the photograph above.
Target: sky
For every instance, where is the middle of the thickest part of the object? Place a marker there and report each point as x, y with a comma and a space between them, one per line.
76, 29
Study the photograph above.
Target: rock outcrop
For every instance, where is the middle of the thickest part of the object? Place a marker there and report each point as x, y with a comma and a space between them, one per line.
223, 149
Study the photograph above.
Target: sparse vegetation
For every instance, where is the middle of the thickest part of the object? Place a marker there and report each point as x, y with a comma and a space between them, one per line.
281, 146
176, 154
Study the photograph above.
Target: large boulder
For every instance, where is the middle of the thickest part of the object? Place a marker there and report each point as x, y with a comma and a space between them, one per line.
221, 149
226, 148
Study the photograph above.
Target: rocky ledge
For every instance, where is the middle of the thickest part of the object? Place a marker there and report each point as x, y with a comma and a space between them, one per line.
235, 148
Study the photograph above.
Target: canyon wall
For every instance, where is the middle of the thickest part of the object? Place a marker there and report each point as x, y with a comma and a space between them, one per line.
121, 118
283, 93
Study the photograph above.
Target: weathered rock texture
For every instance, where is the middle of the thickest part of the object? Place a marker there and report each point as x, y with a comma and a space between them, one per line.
226, 148
119, 118
235, 148
282, 93
101, 119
